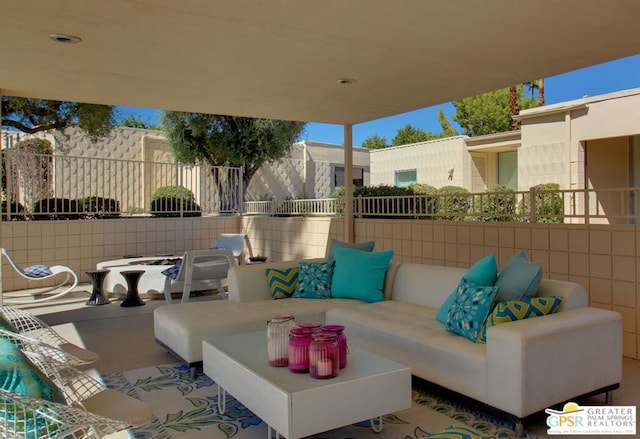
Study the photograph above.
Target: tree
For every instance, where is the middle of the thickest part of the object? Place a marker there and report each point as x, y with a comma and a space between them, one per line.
234, 141
35, 115
374, 142
410, 134
447, 128
489, 113
134, 121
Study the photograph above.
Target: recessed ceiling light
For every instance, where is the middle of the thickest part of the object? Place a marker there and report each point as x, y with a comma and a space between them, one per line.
65, 39
346, 81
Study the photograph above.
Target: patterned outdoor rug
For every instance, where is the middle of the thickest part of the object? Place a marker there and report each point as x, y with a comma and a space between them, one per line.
186, 408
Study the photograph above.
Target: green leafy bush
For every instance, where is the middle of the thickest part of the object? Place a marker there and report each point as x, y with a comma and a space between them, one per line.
549, 206
454, 203
429, 204
178, 192
100, 207
172, 201
57, 209
497, 204
17, 211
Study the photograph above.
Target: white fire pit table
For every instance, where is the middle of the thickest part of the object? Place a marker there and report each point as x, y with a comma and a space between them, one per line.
296, 405
152, 281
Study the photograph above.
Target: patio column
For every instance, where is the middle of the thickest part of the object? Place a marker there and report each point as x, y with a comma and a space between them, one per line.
348, 184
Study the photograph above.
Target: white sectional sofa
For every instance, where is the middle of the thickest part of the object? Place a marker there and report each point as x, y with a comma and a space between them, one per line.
524, 367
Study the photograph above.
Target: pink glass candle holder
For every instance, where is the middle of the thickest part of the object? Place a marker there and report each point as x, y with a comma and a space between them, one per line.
278, 327
324, 356
341, 338
311, 324
299, 342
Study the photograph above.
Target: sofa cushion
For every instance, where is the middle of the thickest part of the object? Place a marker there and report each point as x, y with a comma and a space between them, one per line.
282, 282
334, 243
314, 280
359, 274
470, 308
19, 375
519, 278
512, 310
484, 272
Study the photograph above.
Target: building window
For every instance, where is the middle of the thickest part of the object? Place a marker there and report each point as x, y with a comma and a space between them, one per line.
508, 169
338, 177
406, 177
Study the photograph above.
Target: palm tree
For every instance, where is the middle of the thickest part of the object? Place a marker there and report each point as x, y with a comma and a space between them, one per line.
515, 108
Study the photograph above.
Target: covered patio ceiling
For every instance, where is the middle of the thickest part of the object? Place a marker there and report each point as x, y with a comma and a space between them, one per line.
284, 59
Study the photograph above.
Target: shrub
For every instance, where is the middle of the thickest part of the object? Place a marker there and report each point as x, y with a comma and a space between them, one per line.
428, 205
16, 209
56, 208
454, 203
178, 192
497, 204
549, 206
172, 207
99, 207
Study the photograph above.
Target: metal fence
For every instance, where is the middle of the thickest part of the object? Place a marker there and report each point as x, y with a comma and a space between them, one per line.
41, 186
589, 206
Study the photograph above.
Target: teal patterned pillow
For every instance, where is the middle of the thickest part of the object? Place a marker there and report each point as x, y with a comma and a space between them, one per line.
456, 432
314, 280
19, 375
470, 308
282, 282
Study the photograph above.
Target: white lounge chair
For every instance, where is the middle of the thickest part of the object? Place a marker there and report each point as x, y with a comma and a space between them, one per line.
41, 273
236, 243
198, 265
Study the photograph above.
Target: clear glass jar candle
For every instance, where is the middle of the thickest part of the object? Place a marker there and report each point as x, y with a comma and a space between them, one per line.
278, 327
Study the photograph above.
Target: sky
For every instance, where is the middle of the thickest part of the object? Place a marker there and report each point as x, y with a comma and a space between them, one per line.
604, 78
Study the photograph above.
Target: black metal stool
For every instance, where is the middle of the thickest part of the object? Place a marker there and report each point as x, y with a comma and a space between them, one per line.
132, 298
97, 296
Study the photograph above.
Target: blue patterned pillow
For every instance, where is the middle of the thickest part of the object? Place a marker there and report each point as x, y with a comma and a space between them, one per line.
314, 280
470, 308
172, 272
19, 375
456, 432
483, 272
282, 282
512, 310
37, 271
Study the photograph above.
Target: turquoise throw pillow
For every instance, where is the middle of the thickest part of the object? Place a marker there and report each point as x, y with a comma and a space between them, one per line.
19, 375
519, 278
470, 308
484, 272
314, 280
282, 282
334, 243
456, 432
359, 274
512, 310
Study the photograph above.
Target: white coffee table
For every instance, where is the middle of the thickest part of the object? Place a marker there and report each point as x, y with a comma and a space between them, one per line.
296, 405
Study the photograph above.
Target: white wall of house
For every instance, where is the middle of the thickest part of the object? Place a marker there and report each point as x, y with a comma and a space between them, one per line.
442, 162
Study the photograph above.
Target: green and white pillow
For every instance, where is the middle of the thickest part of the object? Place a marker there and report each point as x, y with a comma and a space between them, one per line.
282, 282
512, 310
